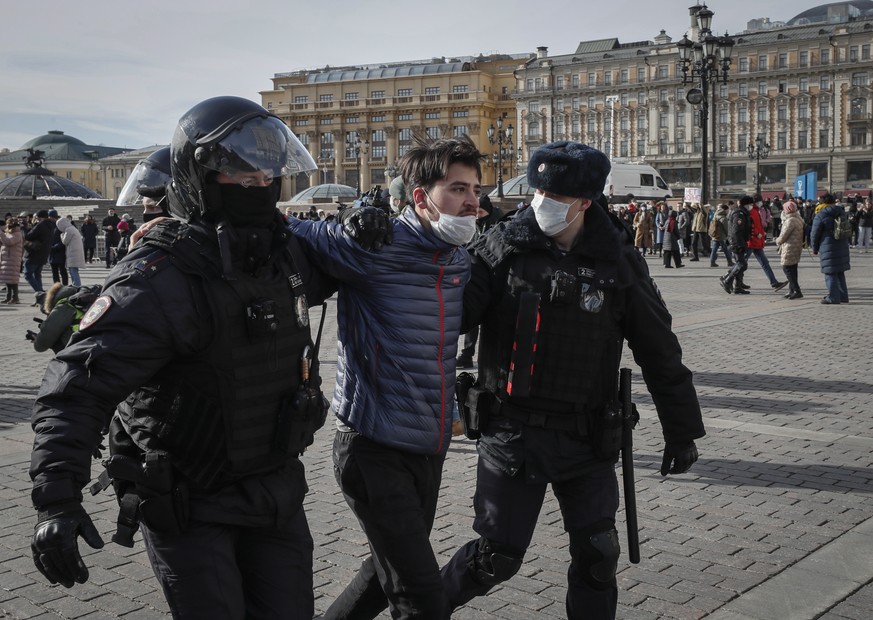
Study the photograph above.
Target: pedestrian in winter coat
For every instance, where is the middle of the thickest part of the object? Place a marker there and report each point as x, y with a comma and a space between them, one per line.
58, 258
37, 242
89, 238
719, 236
643, 222
660, 226
11, 253
672, 241
683, 228
790, 246
75, 250
699, 224
834, 252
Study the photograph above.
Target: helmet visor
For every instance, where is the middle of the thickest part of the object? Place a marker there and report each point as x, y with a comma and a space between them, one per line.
257, 144
145, 180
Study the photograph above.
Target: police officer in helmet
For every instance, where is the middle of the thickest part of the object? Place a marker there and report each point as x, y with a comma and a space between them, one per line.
146, 186
561, 280
205, 325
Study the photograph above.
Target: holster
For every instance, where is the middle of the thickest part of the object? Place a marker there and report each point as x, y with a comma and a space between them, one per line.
475, 405
300, 416
605, 431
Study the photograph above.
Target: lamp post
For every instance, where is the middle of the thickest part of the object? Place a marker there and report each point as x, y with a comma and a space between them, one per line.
707, 60
500, 137
360, 147
325, 160
760, 150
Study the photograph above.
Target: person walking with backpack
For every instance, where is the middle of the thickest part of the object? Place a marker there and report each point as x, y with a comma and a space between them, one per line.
790, 246
718, 232
834, 253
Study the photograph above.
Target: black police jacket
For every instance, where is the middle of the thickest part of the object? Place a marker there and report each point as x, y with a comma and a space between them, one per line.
608, 297
152, 315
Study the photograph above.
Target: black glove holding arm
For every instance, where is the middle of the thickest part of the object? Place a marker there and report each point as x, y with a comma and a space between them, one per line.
369, 226
55, 546
678, 457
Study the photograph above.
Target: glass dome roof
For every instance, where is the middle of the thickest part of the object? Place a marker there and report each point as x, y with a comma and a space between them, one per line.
327, 190
41, 182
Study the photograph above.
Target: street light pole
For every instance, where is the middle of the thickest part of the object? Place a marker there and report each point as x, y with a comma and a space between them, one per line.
760, 150
359, 146
611, 99
708, 60
500, 137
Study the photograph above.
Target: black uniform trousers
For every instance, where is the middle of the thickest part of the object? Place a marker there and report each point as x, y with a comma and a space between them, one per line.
507, 508
742, 263
233, 572
394, 496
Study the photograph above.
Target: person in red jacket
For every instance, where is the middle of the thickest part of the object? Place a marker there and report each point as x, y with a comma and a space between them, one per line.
756, 244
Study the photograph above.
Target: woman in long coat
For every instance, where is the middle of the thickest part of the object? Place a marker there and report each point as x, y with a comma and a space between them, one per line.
11, 253
834, 253
660, 226
643, 222
790, 246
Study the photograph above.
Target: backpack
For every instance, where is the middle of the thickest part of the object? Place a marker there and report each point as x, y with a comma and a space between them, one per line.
842, 228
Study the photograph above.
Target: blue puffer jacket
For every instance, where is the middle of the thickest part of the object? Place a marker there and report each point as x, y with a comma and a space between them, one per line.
399, 317
833, 253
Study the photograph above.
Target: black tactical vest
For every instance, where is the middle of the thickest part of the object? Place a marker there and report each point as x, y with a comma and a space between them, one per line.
578, 344
216, 412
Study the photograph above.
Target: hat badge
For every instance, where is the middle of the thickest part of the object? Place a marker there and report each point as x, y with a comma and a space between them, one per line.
541, 168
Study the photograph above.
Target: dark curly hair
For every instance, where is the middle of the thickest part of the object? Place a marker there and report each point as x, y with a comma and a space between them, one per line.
428, 160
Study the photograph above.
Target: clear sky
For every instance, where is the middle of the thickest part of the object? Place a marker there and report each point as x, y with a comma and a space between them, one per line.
121, 72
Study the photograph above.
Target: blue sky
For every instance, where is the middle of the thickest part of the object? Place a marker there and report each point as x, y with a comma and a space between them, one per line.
121, 73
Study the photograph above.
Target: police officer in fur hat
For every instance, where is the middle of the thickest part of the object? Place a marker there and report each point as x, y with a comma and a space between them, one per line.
557, 289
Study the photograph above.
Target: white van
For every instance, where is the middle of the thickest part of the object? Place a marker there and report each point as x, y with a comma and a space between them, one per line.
641, 180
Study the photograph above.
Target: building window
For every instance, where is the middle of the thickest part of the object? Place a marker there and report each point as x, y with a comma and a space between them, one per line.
762, 88
860, 78
858, 170
825, 83
744, 65
592, 103
772, 173
404, 140
803, 85
377, 118
433, 133
824, 55
624, 76
592, 125
663, 120
641, 97
858, 137
431, 115
782, 111
607, 78
404, 92
432, 90
783, 86
662, 95
742, 142
404, 117
641, 74
559, 105
624, 148
377, 144
762, 111
559, 82
460, 113
722, 144
679, 147
641, 148
723, 115
350, 96
460, 88
533, 130
592, 79
803, 109
559, 127
819, 167
723, 91
574, 80
853, 53
663, 146
783, 60
803, 59
459, 130
623, 100
762, 62
529, 85
824, 109
326, 145
624, 121
301, 122
574, 103
641, 121
326, 121
680, 94
823, 138
781, 141
742, 114
802, 139
680, 118
325, 97
353, 119
301, 99
732, 175
377, 94
865, 51
743, 89
663, 72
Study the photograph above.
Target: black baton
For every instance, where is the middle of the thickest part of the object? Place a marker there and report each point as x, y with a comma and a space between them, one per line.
629, 420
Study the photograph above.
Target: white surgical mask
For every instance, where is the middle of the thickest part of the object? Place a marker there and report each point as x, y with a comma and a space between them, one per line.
551, 214
453, 229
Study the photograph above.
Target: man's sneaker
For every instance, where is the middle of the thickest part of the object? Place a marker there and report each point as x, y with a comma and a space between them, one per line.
726, 285
779, 286
797, 295
741, 291
742, 285
464, 362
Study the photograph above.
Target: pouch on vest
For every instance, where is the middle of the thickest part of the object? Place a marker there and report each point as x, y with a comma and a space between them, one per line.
605, 431
475, 404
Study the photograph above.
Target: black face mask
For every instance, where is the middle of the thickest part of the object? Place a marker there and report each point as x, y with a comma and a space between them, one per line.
148, 217
248, 206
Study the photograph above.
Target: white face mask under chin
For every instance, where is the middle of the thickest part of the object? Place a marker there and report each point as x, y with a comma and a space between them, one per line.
551, 214
453, 229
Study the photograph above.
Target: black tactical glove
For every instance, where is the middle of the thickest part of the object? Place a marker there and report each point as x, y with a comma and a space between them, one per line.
681, 455
369, 226
55, 546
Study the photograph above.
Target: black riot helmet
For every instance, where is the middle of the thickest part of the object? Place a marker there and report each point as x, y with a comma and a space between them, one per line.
235, 137
149, 179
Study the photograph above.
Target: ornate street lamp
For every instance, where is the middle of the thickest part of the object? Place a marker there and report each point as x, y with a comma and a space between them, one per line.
707, 60
360, 147
760, 150
500, 137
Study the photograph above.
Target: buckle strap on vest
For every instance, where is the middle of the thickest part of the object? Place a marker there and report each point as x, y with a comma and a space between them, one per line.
577, 422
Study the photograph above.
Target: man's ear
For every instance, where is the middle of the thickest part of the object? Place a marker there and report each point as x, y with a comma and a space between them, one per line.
419, 198
584, 203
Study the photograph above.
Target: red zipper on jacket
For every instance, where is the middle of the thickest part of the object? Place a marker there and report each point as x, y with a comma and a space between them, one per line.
439, 292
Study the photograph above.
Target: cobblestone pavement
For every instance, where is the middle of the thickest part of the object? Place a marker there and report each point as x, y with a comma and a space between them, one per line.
775, 522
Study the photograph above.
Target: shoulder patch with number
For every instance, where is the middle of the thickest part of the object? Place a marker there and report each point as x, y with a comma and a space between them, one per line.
97, 309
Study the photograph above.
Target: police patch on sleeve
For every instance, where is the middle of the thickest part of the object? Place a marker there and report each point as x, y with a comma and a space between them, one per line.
97, 309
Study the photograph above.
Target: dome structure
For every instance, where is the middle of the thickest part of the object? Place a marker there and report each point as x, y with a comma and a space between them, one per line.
325, 193
833, 12
52, 137
37, 182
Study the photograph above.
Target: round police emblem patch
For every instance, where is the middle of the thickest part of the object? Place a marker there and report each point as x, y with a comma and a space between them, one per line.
97, 309
541, 168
